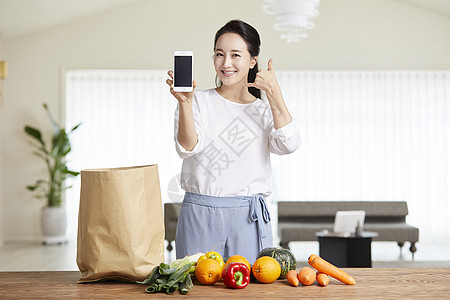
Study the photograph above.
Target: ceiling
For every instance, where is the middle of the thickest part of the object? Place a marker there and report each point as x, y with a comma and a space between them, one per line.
440, 7
21, 17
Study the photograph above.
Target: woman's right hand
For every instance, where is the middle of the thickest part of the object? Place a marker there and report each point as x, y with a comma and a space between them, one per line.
180, 96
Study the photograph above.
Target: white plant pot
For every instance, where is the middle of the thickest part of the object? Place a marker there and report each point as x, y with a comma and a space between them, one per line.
54, 225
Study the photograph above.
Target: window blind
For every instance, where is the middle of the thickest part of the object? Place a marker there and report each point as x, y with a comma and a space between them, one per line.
374, 135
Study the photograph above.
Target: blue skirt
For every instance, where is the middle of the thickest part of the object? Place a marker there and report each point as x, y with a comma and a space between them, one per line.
228, 225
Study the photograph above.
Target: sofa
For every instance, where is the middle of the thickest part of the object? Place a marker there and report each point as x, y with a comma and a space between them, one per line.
300, 220
171, 212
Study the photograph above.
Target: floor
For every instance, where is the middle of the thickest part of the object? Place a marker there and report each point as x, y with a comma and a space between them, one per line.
32, 256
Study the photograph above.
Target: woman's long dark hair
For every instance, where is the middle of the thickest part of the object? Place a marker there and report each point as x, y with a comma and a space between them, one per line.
251, 38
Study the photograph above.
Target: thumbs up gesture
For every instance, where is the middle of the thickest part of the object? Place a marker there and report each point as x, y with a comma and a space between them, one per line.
266, 80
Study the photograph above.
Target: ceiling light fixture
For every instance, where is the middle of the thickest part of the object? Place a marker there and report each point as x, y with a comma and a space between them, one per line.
292, 17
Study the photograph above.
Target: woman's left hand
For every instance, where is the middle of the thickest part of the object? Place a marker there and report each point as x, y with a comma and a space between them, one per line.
266, 80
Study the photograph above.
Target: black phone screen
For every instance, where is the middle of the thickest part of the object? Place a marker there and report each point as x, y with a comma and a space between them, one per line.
183, 71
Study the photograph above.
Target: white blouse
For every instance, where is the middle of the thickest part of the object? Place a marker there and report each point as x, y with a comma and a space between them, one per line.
232, 155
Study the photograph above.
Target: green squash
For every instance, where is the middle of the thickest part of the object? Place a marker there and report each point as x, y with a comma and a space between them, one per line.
284, 257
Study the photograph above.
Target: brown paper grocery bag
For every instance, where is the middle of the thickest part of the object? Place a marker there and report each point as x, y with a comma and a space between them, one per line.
120, 224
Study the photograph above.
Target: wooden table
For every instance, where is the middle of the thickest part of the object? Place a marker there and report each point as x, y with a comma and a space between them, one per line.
423, 283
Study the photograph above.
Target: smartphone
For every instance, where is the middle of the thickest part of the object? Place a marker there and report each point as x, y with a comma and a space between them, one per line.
183, 71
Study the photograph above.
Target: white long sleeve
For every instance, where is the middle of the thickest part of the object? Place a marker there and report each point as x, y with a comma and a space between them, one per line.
232, 155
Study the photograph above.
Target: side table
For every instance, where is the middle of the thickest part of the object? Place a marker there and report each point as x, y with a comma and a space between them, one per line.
346, 250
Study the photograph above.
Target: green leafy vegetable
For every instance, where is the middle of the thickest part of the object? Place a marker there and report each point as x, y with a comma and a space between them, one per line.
169, 278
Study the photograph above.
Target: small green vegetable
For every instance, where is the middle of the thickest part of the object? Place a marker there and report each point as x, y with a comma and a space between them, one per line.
152, 288
189, 283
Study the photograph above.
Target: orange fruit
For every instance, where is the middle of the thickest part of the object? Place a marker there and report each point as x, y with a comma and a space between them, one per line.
215, 256
208, 271
307, 276
238, 259
266, 269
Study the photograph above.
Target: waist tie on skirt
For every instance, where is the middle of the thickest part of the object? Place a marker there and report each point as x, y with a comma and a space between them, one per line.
258, 211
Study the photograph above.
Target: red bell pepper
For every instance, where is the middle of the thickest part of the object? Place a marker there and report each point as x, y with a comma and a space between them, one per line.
236, 275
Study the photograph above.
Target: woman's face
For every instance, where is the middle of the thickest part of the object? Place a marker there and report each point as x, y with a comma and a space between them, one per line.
232, 60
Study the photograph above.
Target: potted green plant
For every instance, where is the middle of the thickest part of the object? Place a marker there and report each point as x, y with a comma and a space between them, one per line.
54, 154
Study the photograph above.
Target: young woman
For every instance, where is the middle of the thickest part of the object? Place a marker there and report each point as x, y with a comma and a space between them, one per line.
225, 136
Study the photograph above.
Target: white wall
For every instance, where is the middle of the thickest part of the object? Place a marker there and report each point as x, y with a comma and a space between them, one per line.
349, 34
1, 143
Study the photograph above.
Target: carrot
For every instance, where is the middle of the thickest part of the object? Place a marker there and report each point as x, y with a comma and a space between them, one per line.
292, 278
322, 279
325, 267
306, 276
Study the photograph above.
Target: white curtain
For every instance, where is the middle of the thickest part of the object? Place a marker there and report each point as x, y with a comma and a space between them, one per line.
380, 135
366, 136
